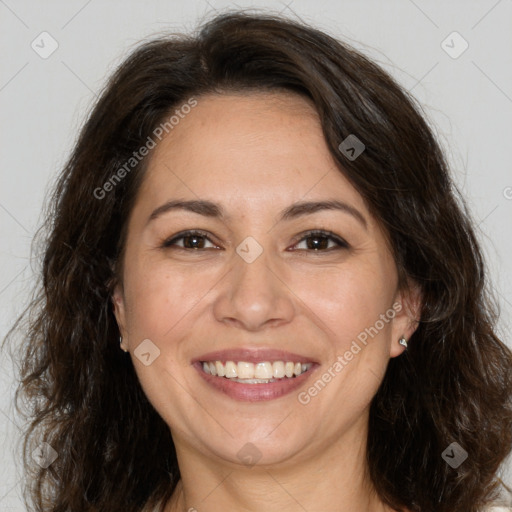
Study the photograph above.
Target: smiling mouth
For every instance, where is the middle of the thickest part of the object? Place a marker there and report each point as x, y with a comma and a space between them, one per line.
255, 373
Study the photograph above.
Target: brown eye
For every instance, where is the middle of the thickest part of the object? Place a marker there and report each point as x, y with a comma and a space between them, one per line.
191, 240
320, 240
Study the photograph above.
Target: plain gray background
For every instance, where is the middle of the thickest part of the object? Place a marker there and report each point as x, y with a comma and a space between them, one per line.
467, 97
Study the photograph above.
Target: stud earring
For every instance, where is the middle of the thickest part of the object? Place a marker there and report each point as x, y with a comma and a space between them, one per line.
403, 342
121, 344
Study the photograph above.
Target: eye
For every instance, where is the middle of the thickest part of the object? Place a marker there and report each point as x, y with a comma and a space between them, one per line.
191, 240
316, 241
319, 240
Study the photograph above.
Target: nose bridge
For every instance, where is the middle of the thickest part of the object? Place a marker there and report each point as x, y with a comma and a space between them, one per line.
254, 295
252, 275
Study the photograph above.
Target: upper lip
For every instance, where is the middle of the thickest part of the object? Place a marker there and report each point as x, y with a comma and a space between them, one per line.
253, 355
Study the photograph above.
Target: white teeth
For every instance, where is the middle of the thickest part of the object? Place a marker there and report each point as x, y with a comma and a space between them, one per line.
278, 369
245, 370
253, 381
230, 369
263, 370
220, 368
255, 373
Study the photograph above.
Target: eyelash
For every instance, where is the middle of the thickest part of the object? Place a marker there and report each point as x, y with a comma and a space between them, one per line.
317, 233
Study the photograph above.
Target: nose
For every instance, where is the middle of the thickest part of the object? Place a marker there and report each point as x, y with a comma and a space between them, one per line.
254, 296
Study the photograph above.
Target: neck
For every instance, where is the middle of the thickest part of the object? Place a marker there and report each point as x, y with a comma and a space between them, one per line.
334, 479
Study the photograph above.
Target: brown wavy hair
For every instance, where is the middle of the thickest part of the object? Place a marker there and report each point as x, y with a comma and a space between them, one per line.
78, 390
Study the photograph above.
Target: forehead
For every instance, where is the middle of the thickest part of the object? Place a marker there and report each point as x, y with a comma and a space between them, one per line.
241, 131
255, 145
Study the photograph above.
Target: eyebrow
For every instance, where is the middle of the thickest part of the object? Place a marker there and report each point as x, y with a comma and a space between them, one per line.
211, 209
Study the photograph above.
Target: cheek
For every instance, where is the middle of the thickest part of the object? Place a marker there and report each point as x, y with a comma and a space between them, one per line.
162, 307
159, 298
349, 302
348, 299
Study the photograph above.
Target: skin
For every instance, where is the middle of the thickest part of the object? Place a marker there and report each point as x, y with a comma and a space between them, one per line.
256, 154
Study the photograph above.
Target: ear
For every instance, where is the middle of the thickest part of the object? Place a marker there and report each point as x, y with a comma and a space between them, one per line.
120, 313
407, 305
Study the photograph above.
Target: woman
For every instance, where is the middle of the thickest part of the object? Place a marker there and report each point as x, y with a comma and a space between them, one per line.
261, 292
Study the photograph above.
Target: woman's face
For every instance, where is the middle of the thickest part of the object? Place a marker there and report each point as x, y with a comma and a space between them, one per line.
254, 287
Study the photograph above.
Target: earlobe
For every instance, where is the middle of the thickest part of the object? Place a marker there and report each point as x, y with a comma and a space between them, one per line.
407, 320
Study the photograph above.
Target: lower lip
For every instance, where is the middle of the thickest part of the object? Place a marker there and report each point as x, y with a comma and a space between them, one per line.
254, 392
